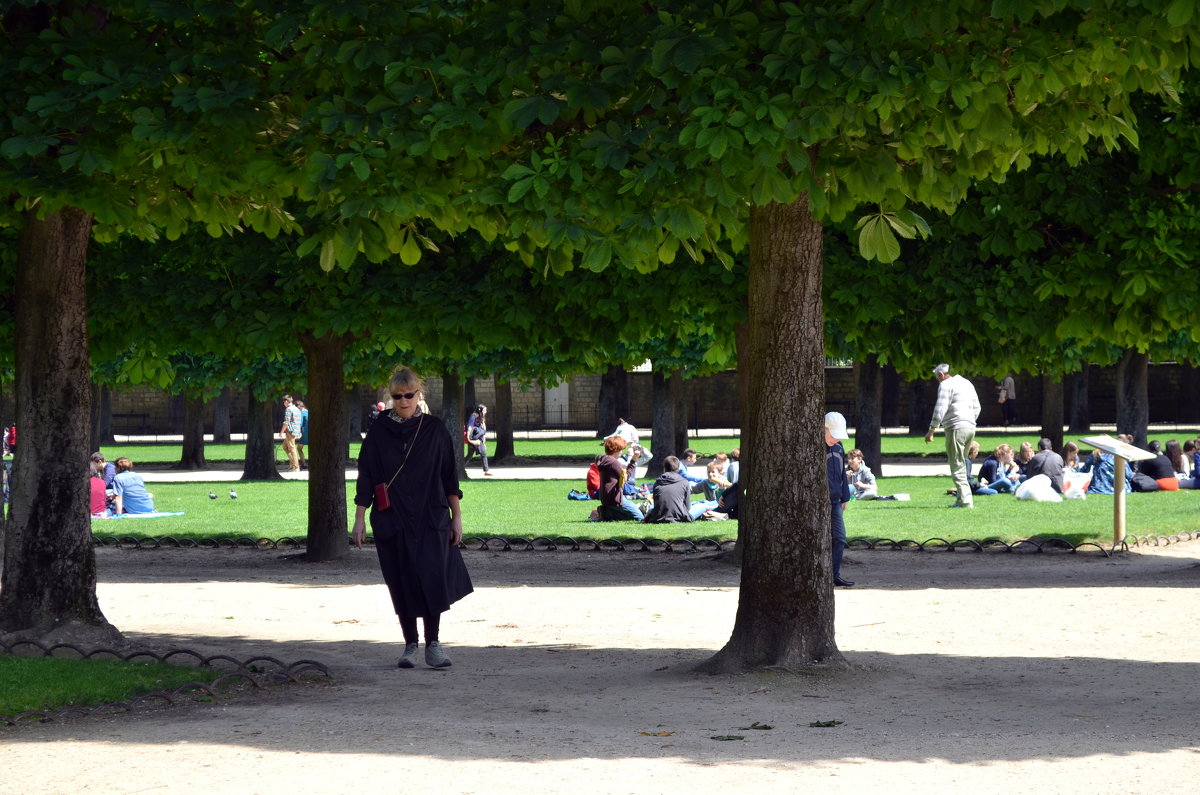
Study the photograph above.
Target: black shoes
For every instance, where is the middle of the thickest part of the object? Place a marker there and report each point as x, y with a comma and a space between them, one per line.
841, 582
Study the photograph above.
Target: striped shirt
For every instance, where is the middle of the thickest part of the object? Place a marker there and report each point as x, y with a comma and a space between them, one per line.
957, 404
292, 417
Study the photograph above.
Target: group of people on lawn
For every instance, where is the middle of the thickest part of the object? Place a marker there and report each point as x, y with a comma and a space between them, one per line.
115, 489
669, 499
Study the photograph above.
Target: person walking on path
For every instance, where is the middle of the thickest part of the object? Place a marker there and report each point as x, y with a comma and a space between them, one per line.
302, 439
477, 437
292, 420
839, 489
1008, 400
956, 410
408, 477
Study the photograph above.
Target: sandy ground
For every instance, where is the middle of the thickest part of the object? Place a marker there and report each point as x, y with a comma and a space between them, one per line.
971, 673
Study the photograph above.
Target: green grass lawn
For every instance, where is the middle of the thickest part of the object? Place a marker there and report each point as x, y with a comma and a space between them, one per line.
584, 450
531, 508
47, 683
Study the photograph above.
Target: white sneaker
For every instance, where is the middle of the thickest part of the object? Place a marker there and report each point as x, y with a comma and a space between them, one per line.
435, 657
408, 659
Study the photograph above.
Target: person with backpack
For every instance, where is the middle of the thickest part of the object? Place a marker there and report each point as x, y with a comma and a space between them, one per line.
477, 437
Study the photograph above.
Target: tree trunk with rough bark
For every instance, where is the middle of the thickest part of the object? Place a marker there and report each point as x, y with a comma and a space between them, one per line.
193, 434
868, 377
352, 421
260, 439
328, 537
469, 400
453, 416
920, 408
1133, 399
1052, 410
785, 605
502, 422
889, 412
662, 431
613, 401
222, 427
1081, 416
49, 579
680, 442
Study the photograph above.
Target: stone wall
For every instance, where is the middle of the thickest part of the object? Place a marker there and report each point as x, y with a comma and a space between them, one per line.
712, 402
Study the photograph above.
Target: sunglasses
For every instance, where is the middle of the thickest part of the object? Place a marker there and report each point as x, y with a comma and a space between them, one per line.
403, 395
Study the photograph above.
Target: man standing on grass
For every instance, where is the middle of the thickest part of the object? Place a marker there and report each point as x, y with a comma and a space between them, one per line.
956, 410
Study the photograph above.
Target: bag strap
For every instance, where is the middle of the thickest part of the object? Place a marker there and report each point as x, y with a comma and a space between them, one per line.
410, 449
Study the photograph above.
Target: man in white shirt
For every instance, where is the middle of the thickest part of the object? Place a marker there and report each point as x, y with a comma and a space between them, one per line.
956, 410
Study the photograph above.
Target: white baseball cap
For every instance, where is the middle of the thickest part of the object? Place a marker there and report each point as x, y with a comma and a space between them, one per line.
835, 423
942, 368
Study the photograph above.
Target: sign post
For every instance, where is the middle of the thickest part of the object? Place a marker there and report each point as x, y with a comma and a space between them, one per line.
1123, 453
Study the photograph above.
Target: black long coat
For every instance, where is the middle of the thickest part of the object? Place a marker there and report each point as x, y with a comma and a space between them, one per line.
424, 574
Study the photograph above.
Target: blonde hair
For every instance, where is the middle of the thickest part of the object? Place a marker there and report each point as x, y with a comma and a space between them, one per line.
404, 376
973, 449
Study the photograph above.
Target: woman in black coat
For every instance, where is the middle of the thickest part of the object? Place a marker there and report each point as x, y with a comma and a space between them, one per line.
408, 478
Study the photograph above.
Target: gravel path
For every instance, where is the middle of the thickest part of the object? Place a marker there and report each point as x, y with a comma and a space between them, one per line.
971, 673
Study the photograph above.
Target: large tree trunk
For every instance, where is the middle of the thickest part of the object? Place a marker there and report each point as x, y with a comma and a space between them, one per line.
193, 434
260, 439
1081, 416
679, 392
662, 431
327, 533
868, 377
222, 427
613, 401
785, 606
452, 416
1133, 400
352, 417
919, 408
889, 413
502, 423
1052, 410
49, 580
94, 417
469, 401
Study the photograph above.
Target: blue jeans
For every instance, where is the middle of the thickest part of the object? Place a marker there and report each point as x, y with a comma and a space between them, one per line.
837, 527
697, 509
626, 511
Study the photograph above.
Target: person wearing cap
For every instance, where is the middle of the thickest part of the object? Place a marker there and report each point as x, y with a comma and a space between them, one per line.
839, 489
956, 410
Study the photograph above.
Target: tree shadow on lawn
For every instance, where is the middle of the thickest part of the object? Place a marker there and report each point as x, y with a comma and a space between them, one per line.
547, 703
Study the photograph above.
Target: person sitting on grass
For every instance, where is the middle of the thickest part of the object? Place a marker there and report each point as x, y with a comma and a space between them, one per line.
98, 498
689, 458
1023, 457
1103, 467
997, 474
712, 488
615, 506
862, 481
671, 494
131, 494
1046, 462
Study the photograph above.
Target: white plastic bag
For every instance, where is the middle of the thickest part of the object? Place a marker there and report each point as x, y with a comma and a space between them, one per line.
1038, 489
